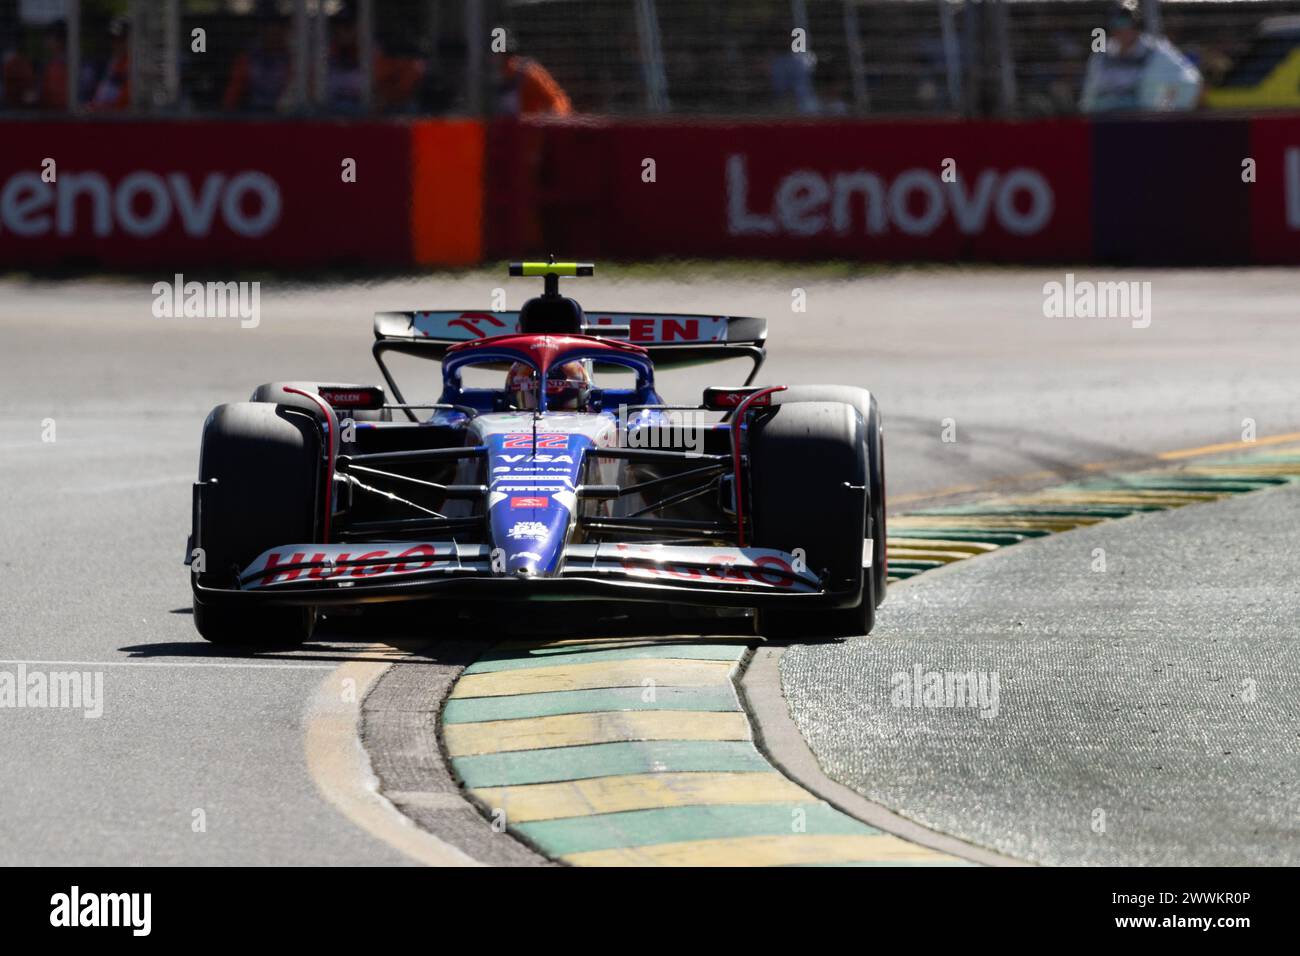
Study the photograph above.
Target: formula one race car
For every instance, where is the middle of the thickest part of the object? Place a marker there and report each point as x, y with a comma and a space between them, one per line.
570, 481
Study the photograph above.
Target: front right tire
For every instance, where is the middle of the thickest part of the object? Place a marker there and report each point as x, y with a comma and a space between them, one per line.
262, 463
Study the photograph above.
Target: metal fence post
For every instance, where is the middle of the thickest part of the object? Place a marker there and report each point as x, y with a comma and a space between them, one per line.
652, 56
857, 69
951, 54
1006, 62
366, 52
474, 38
171, 65
301, 55
435, 35
799, 14
74, 56
135, 47
153, 54
1151, 17
969, 48
320, 56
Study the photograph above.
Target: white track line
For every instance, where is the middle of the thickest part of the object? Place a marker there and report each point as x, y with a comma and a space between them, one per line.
270, 665
340, 767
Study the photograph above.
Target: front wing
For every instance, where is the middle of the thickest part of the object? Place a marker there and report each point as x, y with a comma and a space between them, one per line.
334, 574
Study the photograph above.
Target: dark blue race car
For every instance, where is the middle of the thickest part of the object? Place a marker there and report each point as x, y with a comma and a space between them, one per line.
550, 469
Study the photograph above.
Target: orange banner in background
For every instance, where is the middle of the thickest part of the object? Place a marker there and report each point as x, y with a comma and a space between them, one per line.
447, 192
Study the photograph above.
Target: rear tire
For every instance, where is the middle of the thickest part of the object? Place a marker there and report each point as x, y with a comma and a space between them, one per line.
264, 460
808, 474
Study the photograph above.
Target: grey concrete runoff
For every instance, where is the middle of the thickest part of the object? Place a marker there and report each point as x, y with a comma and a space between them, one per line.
1144, 715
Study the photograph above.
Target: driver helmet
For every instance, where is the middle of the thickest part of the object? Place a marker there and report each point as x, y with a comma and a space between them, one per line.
568, 387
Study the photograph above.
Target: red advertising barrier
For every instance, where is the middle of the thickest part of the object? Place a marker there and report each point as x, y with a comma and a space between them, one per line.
1275, 194
173, 193
443, 192
797, 190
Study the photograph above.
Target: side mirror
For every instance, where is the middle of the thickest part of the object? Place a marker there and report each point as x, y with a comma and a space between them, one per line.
723, 398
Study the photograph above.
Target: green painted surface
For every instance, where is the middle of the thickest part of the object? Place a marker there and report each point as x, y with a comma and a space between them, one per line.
957, 528
1254, 458
1100, 509
472, 709
1189, 483
891, 863
1154, 481
609, 831
553, 764
515, 659
990, 537
898, 565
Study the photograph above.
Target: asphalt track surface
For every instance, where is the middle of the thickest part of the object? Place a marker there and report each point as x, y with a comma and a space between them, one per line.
94, 523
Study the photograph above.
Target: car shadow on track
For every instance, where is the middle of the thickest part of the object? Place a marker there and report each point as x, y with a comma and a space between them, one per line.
421, 634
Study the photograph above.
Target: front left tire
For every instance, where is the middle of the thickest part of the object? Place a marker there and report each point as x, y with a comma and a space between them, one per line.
865, 402
809, 490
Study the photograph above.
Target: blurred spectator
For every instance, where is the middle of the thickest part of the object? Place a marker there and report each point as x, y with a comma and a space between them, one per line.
18, 77
835, 97
1137, 71
526, 88
396, 80
260, 78
1214, 64
792, 81
443, 85
113, 90
343, 81
54, 72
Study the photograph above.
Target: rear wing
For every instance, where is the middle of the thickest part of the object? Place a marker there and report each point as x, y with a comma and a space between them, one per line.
669, 337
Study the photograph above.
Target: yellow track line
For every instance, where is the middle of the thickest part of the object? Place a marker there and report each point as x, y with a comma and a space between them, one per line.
918, 554
1010, 522
1229, 470
615, 640
630, 673
1174, 455
765, 851
1124, 494
1115, 498
1228, 446
939, 544
639, 791
571, 730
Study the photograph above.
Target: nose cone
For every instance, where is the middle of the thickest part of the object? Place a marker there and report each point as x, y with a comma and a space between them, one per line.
533, 500
531, 528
